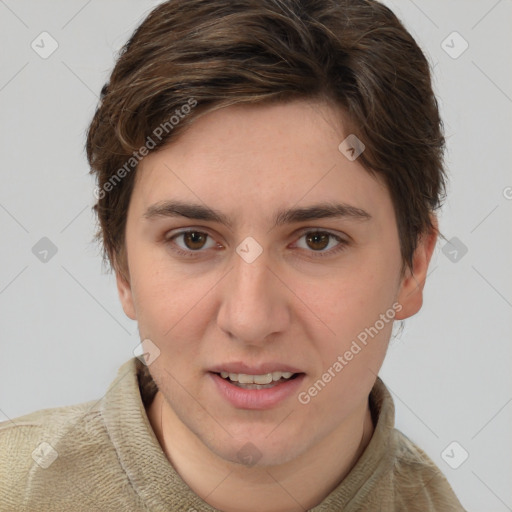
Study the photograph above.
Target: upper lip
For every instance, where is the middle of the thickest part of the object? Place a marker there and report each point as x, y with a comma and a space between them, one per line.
259, 369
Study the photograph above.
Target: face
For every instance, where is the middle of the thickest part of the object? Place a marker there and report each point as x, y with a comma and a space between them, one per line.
256, 248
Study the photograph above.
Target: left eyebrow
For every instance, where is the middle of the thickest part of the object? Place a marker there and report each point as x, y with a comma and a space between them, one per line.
317, 211
320, 211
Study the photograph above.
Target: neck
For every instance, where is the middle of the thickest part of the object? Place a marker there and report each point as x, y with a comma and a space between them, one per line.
234, 488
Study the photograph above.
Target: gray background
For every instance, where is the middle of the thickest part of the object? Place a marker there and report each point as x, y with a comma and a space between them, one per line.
63, 332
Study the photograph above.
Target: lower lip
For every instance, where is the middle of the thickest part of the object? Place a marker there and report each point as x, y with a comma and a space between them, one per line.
256, 399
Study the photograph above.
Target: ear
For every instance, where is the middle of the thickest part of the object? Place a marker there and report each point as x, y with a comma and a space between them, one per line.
125, 294
410, 294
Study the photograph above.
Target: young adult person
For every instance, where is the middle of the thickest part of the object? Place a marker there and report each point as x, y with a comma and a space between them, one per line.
268, 174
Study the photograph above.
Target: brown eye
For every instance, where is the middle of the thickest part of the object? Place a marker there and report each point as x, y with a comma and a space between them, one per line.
194, 240
190, 242
318, 241
321, 243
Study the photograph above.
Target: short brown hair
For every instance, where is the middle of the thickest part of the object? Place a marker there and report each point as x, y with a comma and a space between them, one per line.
209, 54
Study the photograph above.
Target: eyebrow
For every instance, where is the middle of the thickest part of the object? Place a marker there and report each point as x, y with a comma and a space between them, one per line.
175, 208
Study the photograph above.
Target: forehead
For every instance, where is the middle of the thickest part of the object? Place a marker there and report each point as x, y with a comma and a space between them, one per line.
255, 157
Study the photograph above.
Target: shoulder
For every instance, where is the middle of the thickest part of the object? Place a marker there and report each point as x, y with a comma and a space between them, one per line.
21, 435
406, 478
38, 446
418, 483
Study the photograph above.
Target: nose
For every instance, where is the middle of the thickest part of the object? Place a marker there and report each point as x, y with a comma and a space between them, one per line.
255, 303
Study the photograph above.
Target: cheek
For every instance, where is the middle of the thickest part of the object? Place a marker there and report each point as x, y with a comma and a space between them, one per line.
361, 316
161, 297
355, 305
172, 308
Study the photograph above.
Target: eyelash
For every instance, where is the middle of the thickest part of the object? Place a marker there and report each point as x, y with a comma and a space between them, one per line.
190, 253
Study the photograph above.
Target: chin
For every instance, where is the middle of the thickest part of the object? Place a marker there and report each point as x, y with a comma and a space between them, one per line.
261, 448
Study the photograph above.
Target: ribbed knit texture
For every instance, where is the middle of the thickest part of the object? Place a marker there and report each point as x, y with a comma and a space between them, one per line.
109, 459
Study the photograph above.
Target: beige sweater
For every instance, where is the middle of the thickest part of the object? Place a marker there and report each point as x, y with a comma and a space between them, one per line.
104, 456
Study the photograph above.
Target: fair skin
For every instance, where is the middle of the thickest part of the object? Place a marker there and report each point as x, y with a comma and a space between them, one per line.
296, 307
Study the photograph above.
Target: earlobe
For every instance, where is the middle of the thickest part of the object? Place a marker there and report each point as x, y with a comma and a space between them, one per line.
410, 295
125, 295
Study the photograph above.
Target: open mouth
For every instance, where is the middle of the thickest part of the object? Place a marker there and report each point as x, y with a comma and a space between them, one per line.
263, 381
257, 391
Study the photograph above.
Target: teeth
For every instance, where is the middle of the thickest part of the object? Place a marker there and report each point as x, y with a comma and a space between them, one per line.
253, 379
266, 378
278, 375
259, 379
